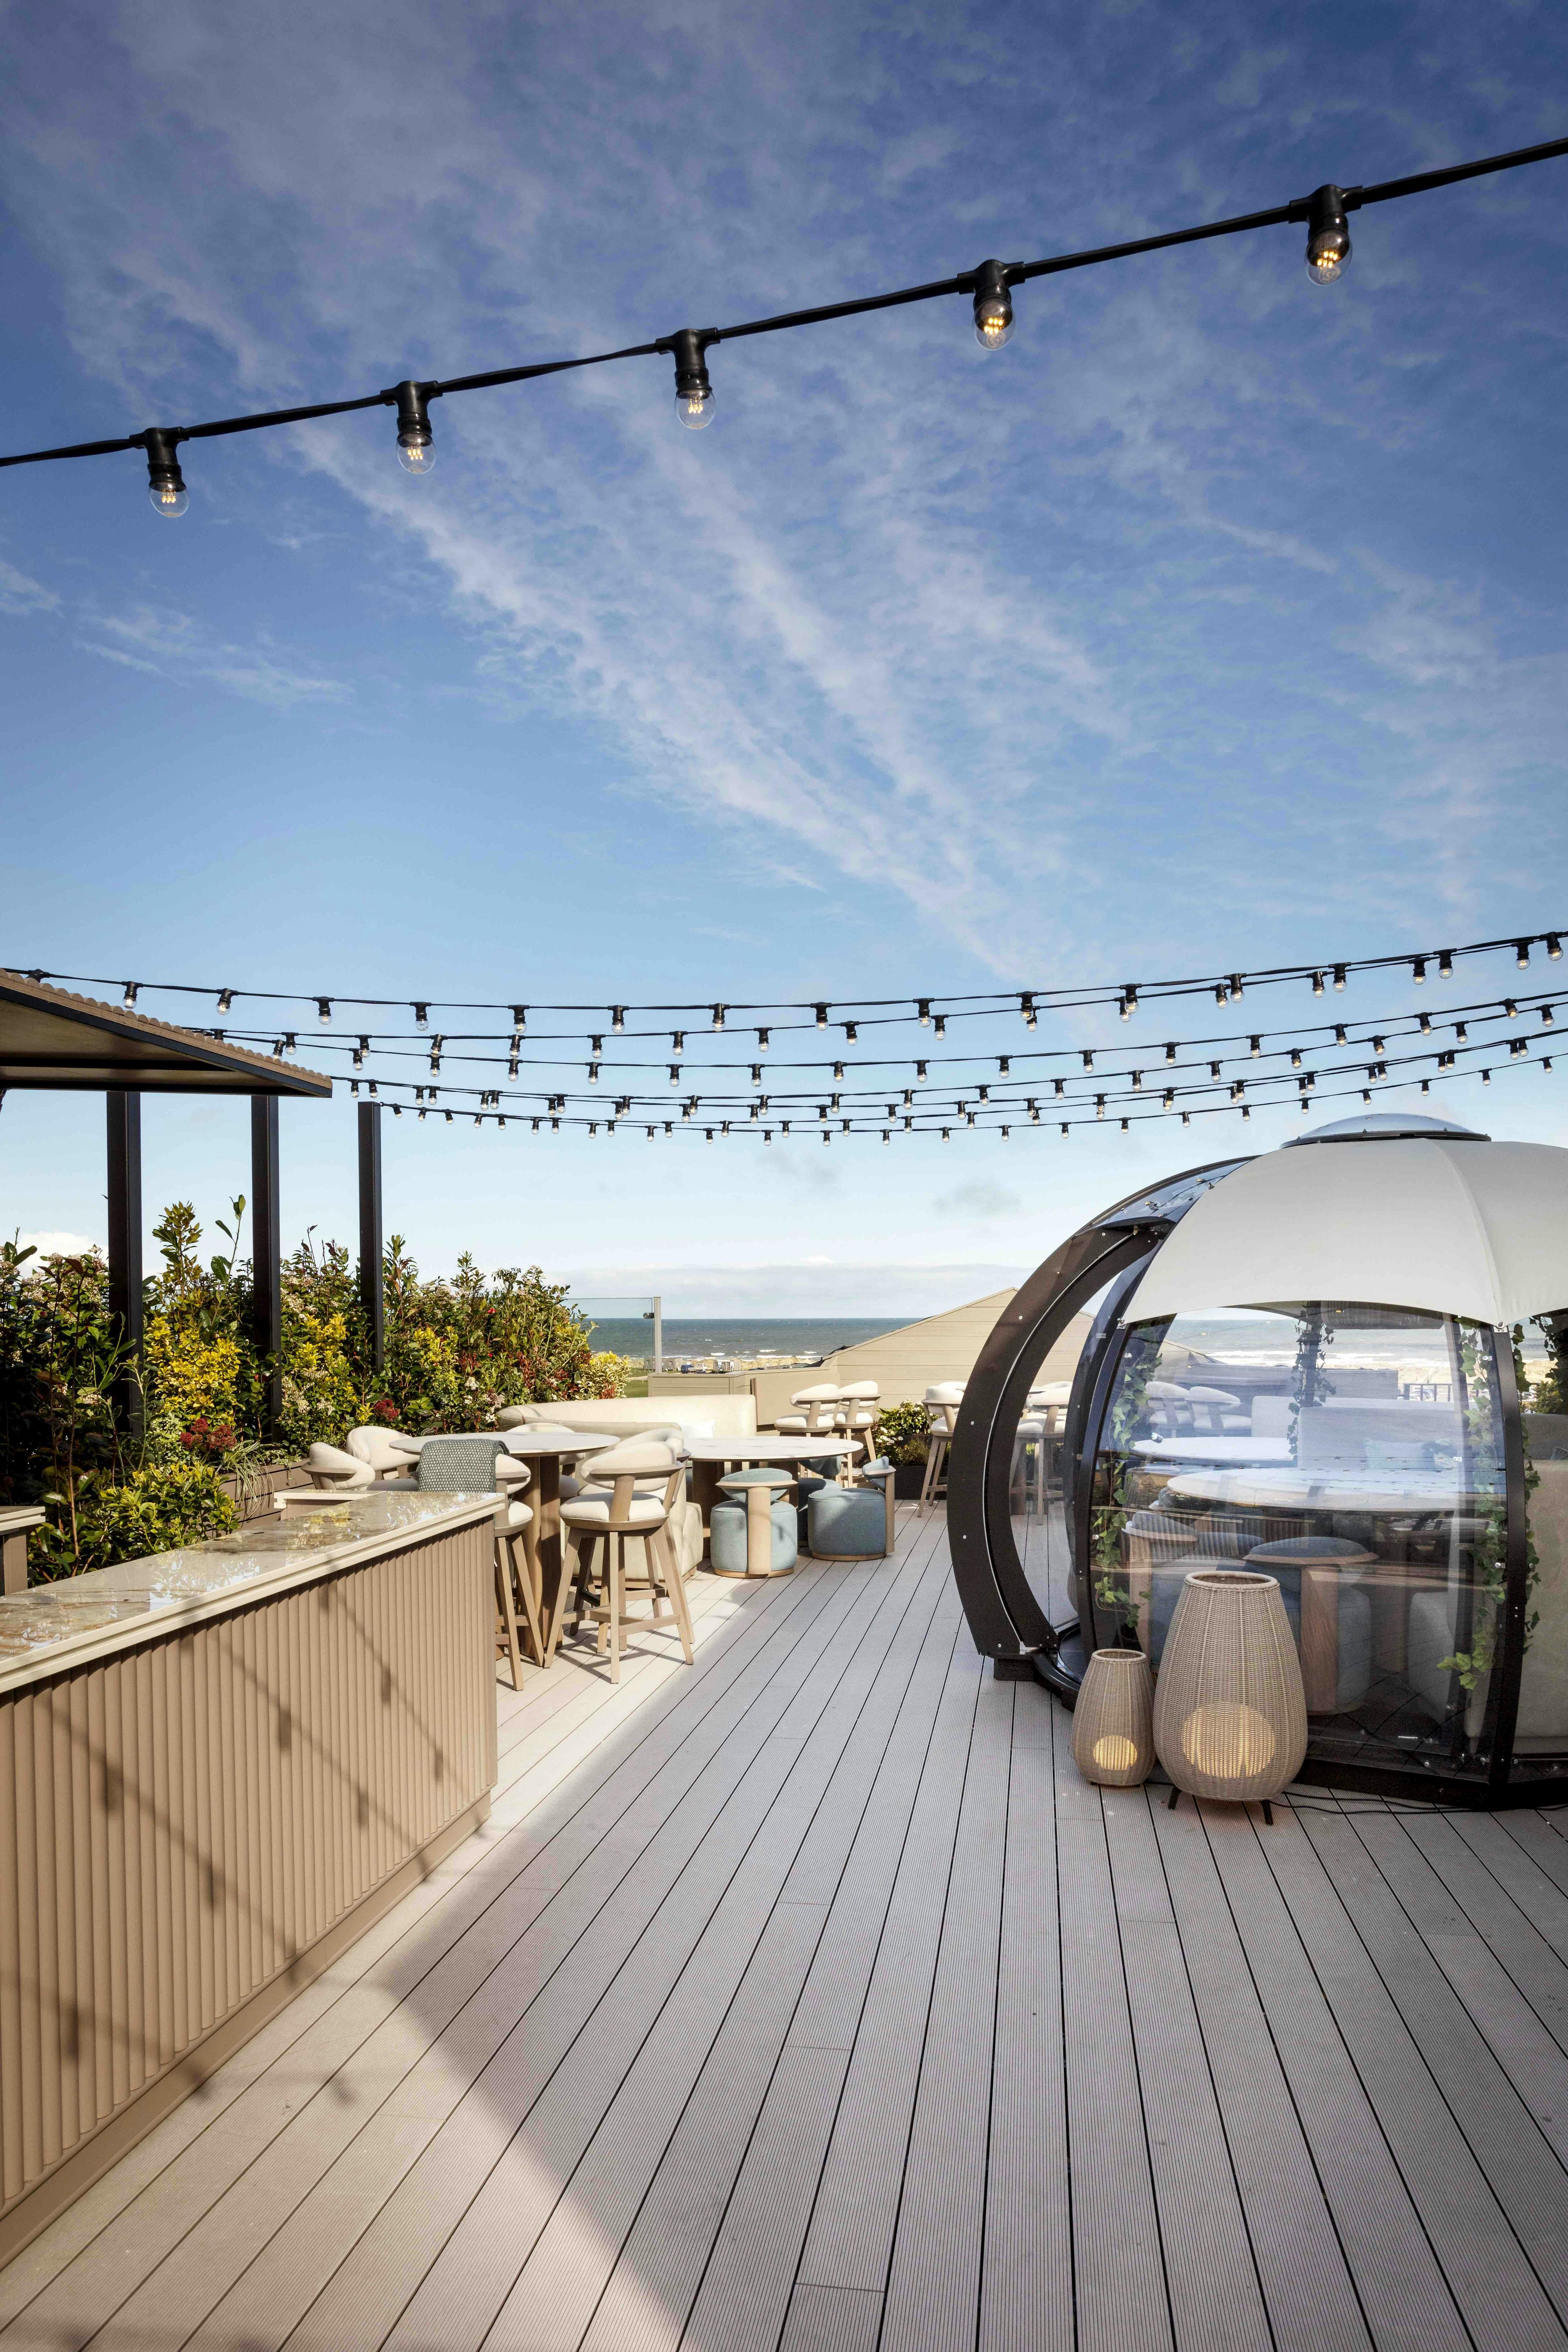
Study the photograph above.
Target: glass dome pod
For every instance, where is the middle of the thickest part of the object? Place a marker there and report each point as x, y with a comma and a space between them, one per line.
1346, 1363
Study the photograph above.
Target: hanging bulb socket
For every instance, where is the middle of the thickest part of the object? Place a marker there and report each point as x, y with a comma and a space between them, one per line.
693, 392
993, 306
415, 442
1327, 235
166, 489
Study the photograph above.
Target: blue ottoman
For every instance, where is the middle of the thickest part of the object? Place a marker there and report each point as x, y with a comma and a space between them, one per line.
853, 1522
727, 1537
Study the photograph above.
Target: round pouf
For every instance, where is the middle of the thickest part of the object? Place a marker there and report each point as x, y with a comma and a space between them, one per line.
1230, 1715
846, 1523
1113, 1721
727, 1537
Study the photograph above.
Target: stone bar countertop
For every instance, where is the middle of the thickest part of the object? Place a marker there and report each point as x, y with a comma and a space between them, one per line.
54, 1627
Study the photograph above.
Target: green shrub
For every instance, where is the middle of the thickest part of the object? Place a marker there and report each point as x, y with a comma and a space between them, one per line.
158, 1508
902, 1431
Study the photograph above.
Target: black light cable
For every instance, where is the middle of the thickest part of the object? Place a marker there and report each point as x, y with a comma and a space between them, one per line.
1323, 213
872, 1011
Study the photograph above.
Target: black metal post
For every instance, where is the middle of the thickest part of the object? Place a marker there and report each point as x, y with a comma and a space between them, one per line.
125, 1256
371, 1290
267, 1293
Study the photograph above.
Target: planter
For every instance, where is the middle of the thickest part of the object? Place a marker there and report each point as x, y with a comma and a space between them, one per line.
1230, 1715
906, 1478
1112, 1724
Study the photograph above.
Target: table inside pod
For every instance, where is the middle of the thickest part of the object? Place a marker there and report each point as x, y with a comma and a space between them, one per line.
218, 1767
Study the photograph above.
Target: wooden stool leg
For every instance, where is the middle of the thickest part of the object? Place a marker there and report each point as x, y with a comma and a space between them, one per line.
675, 1588
569, 1570
508, 1612
517, 1562
616, 1581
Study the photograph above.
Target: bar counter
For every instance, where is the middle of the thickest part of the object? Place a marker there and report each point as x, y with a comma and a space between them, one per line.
218, 1767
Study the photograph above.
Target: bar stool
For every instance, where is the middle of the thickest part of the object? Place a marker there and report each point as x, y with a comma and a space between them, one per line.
942, 1403
614, 1508
514, 1580
856, 1416
820, 1413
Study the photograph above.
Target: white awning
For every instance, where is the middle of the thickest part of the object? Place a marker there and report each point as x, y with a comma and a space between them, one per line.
1459, 1228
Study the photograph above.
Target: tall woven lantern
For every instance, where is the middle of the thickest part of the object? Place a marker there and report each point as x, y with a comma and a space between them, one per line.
1230, 1715
1112, 1724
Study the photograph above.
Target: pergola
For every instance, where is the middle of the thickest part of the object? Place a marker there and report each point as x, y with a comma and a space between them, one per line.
55, 1042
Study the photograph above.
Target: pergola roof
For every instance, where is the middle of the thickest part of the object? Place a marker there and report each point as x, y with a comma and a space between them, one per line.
52, 1039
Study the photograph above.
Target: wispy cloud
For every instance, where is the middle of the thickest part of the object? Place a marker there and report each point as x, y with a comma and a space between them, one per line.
167, 643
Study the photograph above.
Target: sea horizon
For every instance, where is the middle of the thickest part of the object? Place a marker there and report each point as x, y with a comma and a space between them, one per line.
742, 1335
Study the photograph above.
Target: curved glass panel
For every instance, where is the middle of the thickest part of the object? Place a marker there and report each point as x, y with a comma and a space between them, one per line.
1542, 1348
1356, 1454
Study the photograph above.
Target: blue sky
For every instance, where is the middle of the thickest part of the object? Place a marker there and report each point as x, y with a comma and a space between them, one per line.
1217, 621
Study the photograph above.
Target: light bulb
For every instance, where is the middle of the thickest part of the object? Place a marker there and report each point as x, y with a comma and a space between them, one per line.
693, 392
1328, 237
416, 447
166, 491
992, 306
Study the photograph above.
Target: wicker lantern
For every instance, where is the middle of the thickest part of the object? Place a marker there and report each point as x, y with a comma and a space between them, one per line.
1230, 1715
1112, 1726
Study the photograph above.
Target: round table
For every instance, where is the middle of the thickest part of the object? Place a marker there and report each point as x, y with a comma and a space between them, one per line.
1422, 1492
1217, 1449
710, 1456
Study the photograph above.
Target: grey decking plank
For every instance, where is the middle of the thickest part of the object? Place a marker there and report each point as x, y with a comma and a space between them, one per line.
1534, 1836
851, 2232
1403, 2291
552, 2301
1527, 2052
189, 2159
638, 2027
345, 2262
1217, 2303
1503, 2303
1527, 2176
934, 2281
1307, 2287
846, 2062
834, 2319
1520, 1937
1118, 2270
658, 2276
524, 1907
1026, 2275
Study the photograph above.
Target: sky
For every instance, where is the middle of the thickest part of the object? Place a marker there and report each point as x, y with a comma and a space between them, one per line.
1215, 623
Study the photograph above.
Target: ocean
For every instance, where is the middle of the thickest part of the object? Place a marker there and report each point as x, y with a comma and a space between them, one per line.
719, 1335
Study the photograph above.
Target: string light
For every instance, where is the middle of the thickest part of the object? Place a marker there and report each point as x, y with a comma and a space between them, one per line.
992, 306
165, 484
988, 288
416, 445
1327, 235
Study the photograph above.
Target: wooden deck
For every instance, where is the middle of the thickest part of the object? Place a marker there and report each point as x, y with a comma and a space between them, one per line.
807, 1998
